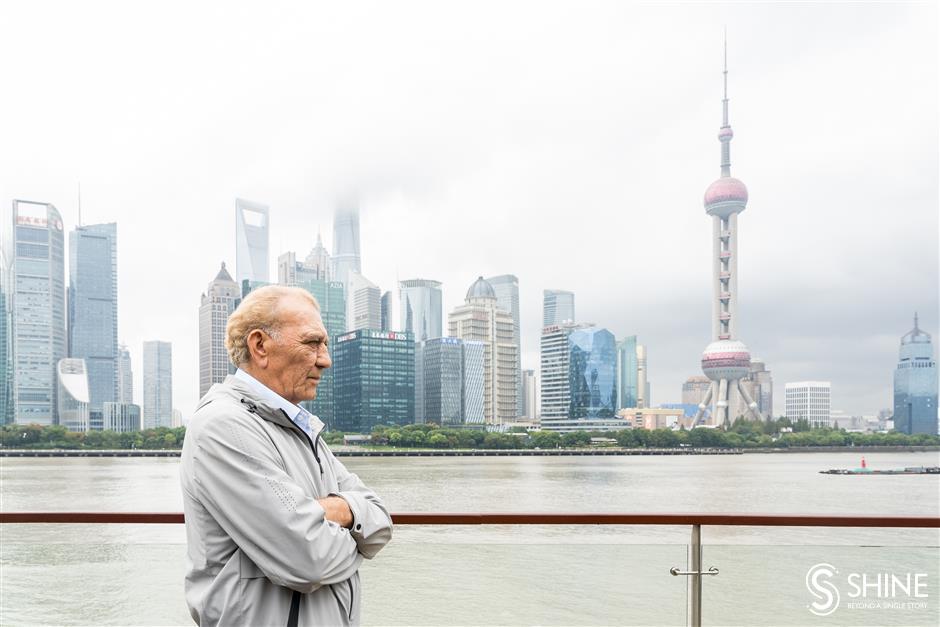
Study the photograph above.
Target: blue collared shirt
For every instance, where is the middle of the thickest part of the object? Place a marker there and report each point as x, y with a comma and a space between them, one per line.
310, 424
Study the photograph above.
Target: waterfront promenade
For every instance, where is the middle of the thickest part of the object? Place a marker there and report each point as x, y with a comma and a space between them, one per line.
352, 451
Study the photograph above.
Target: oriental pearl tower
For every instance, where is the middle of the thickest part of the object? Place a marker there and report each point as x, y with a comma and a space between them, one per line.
726, 360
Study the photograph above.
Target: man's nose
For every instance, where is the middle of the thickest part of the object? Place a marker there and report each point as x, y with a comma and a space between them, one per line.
323, 359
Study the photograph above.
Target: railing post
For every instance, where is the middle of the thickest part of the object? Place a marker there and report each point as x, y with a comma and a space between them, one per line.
695, 581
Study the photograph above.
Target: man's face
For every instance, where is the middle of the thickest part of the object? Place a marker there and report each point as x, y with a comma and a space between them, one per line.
298, 355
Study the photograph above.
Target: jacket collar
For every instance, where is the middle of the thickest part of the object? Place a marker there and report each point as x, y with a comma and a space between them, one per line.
249, 397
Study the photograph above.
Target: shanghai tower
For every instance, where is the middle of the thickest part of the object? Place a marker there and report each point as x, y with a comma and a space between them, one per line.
726, 360
346, 255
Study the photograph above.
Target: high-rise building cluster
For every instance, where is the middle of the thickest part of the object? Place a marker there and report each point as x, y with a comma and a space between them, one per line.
385, 372
60, 359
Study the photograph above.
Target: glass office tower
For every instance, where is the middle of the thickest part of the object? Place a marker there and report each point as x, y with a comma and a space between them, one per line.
93, 311
38, 310
422, 312
557, 307
441, 363
374, 380
158, 384
252, 233
592, 373
6, 364
915, 384
627, 372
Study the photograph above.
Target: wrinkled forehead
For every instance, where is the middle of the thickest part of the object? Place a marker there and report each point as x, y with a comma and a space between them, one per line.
299, 315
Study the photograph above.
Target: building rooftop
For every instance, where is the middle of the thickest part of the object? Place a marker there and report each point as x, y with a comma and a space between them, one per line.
481, 288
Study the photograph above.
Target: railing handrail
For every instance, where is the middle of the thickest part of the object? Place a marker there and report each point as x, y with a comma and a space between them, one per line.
506, 518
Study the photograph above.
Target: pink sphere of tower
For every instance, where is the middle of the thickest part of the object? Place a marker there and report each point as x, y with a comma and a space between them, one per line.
726, 359
726, 189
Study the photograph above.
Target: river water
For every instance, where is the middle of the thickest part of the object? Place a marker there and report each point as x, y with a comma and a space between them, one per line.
504, 575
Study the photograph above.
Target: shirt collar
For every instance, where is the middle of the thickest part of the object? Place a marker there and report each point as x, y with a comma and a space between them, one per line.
276, 401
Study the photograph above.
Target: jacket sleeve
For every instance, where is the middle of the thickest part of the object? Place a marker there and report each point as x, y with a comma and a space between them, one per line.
240, 480
372, 524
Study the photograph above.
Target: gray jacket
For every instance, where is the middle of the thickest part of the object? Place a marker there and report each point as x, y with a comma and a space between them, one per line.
260, 551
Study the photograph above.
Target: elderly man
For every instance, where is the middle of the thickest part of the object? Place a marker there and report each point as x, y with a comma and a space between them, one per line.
276, 526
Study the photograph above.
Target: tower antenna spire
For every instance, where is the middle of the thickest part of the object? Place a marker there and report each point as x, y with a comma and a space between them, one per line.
79, 203
725, 134
726, 78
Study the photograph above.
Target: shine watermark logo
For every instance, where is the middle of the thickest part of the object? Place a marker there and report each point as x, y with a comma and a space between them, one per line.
826, 594
865, 591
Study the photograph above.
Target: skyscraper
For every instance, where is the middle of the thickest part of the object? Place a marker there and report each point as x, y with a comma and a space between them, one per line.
810, 401
385, 317
38, 310
627, 373
578, 377
592, 374
346, 254
158, 384
318, 261
216, 304
6, 361
125, 376
506, 287
441, 393
449, 381
915, 384
554, 356
422, 313
530, 392
251, 241
642, 378
481, 319
374, 380
93, 311
726, 360
363, 304
557, 307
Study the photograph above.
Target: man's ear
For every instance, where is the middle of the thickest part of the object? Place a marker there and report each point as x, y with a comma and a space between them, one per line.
259, 346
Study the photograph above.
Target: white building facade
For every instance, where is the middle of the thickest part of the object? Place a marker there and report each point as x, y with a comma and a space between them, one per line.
481, 319
810, 401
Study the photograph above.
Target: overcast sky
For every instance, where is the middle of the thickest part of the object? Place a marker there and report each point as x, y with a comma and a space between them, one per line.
567, 143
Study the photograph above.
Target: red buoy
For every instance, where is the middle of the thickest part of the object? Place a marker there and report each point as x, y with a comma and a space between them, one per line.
864, 465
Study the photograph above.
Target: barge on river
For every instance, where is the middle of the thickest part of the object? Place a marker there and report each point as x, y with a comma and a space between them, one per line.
865, 470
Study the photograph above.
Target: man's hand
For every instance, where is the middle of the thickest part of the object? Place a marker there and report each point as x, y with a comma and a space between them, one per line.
337, 510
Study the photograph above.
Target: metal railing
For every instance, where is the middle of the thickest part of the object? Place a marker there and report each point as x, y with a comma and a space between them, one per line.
695, 520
